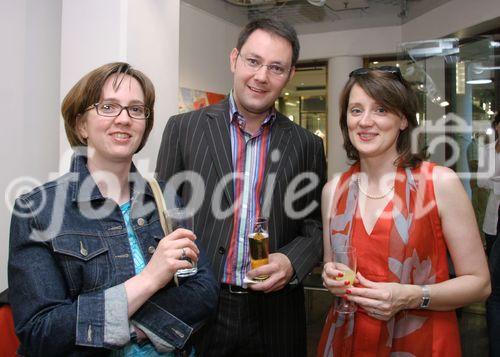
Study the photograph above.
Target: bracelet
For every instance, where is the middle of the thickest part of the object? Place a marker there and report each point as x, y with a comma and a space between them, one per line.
426, 297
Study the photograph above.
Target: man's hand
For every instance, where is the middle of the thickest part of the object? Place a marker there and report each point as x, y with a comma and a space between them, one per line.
280, 272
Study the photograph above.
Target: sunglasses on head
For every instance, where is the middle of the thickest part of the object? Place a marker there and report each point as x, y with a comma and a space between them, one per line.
387, 69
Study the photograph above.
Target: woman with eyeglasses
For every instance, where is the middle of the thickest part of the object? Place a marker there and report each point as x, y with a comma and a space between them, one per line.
402, 215
90, 271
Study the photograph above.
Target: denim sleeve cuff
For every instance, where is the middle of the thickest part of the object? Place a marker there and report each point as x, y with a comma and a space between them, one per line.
90, 320
102, 318
164, 324
160, 345
116, 324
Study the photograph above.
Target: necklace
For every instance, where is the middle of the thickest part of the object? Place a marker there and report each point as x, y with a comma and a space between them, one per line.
373, 197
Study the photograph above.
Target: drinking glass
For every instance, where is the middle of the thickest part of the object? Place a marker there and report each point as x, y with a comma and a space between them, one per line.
181, 218
346, 260
259, 245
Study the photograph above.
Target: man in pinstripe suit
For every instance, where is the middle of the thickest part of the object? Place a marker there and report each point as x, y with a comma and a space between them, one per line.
253, 162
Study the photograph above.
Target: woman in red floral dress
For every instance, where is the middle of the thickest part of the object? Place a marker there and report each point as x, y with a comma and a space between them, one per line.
402, 215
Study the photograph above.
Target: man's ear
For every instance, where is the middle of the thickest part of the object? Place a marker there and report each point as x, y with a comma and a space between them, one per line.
232, 59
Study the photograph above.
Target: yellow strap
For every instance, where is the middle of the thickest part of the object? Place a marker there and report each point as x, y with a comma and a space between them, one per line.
165, 221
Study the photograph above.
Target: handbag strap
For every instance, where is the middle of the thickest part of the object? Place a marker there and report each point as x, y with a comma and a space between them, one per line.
165, 221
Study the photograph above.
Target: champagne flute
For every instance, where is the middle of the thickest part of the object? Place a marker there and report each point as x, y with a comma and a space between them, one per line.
346, 261
181, 218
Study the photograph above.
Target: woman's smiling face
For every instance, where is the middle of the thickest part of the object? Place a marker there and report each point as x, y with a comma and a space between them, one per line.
114, 139
373, 130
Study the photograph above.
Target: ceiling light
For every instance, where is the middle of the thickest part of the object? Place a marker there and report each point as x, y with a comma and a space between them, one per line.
249, 3
287, 93
317, 2
428, 48
479, 81
375, 62
477, 74
444, 103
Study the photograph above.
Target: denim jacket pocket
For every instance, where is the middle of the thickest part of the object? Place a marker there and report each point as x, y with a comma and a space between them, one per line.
85, 260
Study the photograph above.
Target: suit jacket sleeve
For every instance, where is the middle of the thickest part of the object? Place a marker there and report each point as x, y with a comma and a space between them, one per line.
306, 250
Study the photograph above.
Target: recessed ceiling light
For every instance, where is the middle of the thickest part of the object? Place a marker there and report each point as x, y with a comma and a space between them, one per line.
479, 81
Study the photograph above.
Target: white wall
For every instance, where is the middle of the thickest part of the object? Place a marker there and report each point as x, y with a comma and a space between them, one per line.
30, 37
144, 33
350, 43
450, 17
153, 47
87, 43
205, 44
339, 68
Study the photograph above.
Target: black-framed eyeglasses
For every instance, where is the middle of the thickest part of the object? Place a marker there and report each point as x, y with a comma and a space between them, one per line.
112, 110
387, 69
255, 65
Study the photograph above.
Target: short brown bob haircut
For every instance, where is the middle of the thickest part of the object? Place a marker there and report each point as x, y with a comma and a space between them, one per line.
392, 92
87, 91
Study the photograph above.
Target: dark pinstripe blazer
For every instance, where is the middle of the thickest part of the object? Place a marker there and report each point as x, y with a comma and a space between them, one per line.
200, 141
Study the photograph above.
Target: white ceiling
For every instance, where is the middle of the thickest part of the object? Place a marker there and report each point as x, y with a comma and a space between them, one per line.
334, 16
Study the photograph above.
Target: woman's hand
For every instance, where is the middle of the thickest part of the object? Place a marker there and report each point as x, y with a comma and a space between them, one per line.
168, 257
383, 300
334, 279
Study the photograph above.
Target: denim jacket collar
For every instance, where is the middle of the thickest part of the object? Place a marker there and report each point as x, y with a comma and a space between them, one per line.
80, 172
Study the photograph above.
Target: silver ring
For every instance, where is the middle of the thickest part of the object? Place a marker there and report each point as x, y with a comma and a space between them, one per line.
183, 255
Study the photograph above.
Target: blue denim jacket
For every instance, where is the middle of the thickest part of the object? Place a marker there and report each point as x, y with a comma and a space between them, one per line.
69, 257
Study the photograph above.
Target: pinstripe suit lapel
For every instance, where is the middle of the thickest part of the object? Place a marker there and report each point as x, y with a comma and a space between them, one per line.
219, 142
278, 150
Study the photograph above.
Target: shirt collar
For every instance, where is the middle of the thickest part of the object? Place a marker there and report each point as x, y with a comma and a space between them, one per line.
237, 117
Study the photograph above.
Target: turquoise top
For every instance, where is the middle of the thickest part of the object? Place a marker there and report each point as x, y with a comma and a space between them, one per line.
133, 349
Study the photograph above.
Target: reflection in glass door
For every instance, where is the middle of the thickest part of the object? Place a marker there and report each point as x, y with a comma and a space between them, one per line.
304, 98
